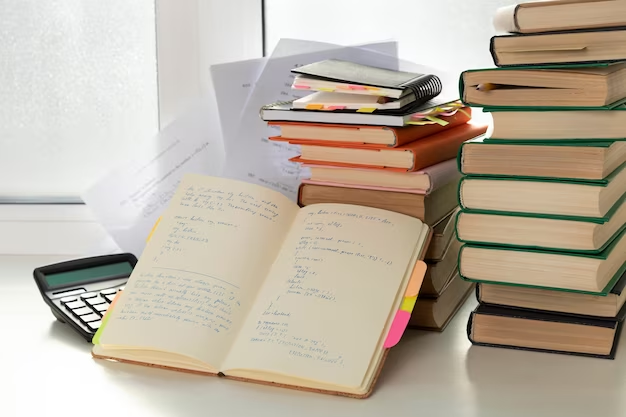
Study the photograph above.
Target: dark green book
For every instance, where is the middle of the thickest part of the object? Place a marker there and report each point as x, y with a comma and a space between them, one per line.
566, 271
565, 160
513, 125
542, 231
549, 196
599, 86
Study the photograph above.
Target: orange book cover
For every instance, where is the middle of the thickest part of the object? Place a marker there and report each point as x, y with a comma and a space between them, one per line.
426, 152
403, 135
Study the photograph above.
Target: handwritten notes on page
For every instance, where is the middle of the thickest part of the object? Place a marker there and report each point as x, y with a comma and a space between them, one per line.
202, 268
250, 155
329, 295
130, 199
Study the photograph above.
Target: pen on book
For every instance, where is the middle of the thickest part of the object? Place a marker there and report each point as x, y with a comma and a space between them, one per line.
486, 87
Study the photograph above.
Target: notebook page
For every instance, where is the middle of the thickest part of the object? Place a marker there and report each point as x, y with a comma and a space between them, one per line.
327, 299
201, 269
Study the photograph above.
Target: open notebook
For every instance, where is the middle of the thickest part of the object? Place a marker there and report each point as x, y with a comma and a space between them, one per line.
238, 281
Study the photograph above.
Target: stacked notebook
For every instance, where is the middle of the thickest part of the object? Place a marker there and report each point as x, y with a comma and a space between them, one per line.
382, 139
542, 195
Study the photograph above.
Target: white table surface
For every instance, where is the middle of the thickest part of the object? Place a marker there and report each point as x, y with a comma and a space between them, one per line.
47, 370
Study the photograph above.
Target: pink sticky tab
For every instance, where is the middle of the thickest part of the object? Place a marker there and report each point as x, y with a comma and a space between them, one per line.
400, 321
336, 107
301, 87
417, 277
356, 87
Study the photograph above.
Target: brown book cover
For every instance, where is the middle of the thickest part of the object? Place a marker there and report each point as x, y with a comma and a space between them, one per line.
402, 135
425, 152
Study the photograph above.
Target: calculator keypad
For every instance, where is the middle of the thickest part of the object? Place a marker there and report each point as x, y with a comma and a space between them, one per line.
89, 308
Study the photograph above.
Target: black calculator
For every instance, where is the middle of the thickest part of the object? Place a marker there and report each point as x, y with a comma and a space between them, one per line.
79, 292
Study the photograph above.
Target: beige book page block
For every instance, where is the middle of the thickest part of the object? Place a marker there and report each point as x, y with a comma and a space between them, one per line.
202, 268
321, 312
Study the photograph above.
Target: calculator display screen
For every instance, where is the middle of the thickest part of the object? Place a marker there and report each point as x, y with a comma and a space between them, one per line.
62, 279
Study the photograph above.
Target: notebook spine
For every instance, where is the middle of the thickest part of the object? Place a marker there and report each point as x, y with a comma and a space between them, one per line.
426, 88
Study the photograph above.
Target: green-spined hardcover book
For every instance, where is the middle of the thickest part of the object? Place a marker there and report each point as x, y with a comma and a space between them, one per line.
540, 231
566, 160
599, 86
565, 271
541, 195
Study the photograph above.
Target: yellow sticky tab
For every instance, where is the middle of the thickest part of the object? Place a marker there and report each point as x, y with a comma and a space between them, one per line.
464, 112
372, 88
366, 110
314, 106
330, 90
420, 123
408, 304
437, 120
153, 229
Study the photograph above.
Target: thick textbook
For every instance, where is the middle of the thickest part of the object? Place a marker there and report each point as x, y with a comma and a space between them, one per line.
591, 273
609, 306
588, 46
541, 195
576, 87
238, 281
559, 15
543, 332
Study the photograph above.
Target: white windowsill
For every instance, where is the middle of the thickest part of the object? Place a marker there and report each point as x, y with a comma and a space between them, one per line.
52, 229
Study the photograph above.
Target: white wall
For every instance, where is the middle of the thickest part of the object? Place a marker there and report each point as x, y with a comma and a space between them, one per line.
448, 34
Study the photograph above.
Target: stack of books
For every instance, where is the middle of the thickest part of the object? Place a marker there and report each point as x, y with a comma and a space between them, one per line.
384, 139
542, 216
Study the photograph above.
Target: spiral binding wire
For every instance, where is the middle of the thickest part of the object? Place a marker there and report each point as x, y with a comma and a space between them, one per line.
426, 88
277, 103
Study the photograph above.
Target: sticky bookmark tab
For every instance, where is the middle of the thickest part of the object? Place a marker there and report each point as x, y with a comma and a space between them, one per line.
421, 123
96, 337
372, 88
366, 110
153, 229
408, 303
314, 106
417, 277
400, 321
301, 87
336, 107
356, 87
329, 90
437, 120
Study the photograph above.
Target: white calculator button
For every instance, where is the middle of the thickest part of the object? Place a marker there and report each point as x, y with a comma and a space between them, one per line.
101, 307
88, 295
109, 291
89, 318
109, 298
75, 304
94, 325
95, 300
82, 311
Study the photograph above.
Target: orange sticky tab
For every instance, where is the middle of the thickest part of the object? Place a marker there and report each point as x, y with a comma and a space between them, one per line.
314, 106
372, 88
400, 321
408, 303
153, 229
336, 107
356, 87
366, 110
417, 277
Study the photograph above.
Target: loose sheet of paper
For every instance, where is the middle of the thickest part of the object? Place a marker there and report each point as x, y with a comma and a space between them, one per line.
130, 199
250, 155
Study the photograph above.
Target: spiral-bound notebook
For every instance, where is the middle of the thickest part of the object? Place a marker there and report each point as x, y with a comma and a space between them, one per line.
345, 76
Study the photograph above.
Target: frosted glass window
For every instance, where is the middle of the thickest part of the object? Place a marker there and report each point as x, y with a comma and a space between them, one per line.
78, 85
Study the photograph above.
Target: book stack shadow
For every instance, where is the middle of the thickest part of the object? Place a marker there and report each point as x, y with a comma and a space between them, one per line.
542, 220
388, 140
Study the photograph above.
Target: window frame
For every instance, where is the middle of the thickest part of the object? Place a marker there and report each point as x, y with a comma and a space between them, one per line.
185, 48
